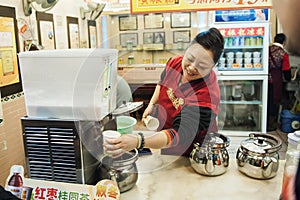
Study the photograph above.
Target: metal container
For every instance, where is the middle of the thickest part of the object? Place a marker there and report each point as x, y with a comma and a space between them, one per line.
122, 170
258, 157
211, 158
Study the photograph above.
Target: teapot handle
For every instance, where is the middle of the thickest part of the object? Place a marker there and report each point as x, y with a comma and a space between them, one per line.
278, 141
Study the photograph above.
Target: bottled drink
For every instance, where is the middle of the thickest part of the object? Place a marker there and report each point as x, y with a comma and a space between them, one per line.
15, 182
291, 166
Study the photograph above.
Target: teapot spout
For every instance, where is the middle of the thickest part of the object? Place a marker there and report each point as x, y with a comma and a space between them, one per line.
209, 166
270, 166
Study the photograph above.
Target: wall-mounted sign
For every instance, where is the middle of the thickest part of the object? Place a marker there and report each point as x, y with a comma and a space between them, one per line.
9, 73
150, 6
259, 15
152, 21
127, 23
248, 31
180, 20
9, 47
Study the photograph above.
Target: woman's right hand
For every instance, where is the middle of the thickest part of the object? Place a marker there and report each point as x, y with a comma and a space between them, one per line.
149, 110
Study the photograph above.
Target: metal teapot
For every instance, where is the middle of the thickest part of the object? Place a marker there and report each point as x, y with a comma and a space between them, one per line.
211, 158
258, 157
122, 170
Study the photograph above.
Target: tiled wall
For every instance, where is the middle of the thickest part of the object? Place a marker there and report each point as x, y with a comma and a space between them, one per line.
11, 141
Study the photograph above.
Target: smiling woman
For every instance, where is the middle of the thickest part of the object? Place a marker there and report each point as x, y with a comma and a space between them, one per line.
197, 63
186, 100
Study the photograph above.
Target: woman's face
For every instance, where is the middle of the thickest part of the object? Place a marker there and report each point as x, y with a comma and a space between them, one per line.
197, 62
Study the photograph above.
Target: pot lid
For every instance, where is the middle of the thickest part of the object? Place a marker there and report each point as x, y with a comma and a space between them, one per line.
261, 143
216, 140
128, 107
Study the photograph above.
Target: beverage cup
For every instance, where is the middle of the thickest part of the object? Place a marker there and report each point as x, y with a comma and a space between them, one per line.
248, 54
239, 55
110, 134
151, 123
248, 60
256, 60
239, 61
229, 55
256, 54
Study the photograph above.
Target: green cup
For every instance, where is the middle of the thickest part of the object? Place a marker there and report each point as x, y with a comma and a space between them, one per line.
125, 124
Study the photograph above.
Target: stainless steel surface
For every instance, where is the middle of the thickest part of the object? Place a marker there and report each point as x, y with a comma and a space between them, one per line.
258, 156
211, 158
122, 170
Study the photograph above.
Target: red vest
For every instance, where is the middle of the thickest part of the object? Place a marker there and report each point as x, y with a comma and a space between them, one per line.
173, 96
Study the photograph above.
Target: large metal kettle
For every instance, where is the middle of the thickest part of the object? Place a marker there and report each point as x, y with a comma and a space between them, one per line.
122, 170
258, 157
211, 158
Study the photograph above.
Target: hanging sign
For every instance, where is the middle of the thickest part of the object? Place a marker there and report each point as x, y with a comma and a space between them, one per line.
152, 6
255, 15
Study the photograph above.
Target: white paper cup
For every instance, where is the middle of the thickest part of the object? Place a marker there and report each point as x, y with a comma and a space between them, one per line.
256, 60
248, 60
239, 60
110, 134
230, 55
248, 54
239, 55
151, 123
256, 54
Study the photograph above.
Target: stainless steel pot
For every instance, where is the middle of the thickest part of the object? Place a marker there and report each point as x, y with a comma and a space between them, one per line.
122, 170
211, 158
258, 157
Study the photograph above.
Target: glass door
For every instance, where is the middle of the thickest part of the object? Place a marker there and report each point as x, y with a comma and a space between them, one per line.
243, 104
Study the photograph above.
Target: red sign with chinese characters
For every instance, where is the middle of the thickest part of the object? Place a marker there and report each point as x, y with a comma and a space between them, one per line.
152, 6
251, 31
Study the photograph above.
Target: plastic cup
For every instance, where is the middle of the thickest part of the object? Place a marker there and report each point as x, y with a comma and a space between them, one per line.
151, 123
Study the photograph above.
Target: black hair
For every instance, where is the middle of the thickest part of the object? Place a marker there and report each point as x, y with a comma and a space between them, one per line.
211, 40
280, 38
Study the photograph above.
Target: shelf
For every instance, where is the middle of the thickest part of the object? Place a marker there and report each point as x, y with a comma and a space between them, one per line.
241, 102
244, 47
239, 69
146, 66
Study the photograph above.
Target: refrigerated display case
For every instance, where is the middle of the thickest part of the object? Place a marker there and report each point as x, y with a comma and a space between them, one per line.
243, 74
243, 105
246, 48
